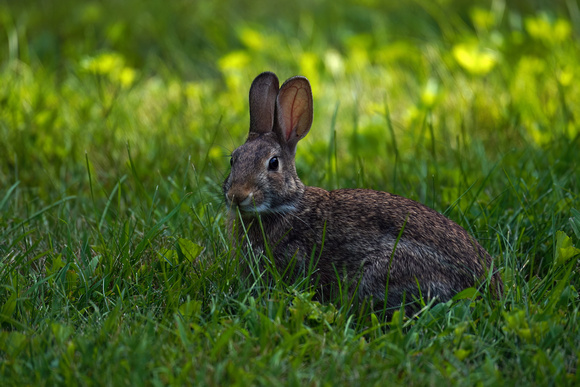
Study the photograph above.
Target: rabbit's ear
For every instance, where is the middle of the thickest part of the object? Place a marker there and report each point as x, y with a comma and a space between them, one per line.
294, 110
263, 102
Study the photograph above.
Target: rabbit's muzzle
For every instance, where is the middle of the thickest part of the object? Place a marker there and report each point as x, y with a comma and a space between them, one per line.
241, 197
239, 200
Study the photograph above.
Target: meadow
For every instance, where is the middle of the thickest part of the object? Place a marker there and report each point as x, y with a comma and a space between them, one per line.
116, 124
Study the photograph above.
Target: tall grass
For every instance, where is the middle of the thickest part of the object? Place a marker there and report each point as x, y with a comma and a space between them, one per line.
116, 120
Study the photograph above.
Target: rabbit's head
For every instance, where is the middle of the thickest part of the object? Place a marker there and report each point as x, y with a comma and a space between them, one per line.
263, 176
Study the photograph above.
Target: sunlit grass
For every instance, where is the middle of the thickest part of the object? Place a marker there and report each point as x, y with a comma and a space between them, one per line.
116, 120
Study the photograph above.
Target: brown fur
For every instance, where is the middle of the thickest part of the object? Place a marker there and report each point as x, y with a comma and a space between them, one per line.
360, 227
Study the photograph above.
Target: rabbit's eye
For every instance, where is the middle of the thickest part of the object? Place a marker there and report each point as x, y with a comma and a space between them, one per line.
273, 164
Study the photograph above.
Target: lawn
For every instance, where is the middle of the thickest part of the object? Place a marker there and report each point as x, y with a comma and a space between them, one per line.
116, 124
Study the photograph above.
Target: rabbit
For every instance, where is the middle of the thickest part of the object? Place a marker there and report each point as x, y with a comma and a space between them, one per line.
378, 245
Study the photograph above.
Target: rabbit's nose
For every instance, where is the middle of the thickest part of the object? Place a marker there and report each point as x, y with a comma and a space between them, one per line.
239, 198
231, 197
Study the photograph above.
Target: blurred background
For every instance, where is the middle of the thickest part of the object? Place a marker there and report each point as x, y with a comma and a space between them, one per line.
422, 98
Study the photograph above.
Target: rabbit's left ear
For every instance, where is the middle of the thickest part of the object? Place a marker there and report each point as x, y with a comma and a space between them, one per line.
263, 102
294, 110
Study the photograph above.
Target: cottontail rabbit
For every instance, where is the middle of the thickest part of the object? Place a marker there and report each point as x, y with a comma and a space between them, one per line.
350, 236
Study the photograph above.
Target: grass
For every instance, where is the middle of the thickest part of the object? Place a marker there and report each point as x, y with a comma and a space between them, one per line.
116, 120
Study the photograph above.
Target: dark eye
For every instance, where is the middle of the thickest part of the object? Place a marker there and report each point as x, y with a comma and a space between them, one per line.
273, 164
231, 161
